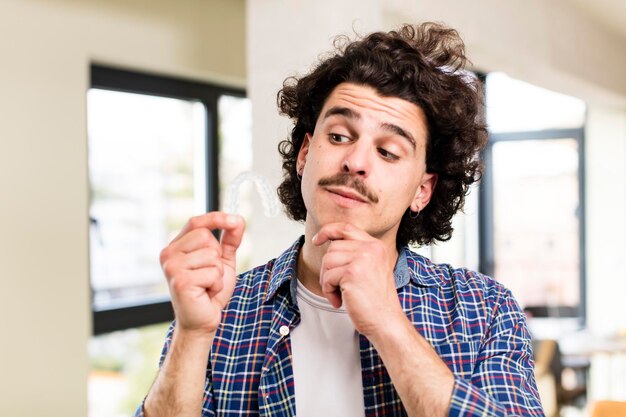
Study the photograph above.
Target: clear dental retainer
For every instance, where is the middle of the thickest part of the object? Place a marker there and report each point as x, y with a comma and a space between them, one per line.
269, 200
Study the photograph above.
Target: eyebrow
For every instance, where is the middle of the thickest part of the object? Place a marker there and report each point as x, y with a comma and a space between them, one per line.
351, 114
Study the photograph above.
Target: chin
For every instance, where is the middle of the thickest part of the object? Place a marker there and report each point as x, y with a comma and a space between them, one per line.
357, 221
342, 215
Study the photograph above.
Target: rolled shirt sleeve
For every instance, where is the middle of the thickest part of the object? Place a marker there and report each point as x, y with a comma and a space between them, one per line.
503, 381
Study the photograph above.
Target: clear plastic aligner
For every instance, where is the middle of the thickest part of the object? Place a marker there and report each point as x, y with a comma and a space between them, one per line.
269, 200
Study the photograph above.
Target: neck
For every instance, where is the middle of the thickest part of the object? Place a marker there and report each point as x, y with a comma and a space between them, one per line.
310, 258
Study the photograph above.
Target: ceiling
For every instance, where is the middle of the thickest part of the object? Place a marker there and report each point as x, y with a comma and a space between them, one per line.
610, 13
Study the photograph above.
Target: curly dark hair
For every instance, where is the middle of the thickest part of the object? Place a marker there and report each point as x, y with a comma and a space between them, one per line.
424, 65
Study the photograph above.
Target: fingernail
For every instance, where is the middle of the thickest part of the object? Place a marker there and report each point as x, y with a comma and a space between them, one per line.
314, 238
232, 219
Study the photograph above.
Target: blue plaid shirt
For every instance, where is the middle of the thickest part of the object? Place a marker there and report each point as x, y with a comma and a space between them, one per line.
473, 323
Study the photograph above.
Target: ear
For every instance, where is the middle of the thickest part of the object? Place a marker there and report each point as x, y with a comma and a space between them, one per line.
424, 192
302, 153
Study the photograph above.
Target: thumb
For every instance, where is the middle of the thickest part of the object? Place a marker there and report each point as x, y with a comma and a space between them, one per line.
231, 238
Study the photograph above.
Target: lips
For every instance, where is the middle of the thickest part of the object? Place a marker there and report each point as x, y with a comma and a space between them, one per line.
347, 193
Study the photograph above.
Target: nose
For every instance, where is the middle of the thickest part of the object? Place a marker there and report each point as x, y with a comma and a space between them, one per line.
357, 160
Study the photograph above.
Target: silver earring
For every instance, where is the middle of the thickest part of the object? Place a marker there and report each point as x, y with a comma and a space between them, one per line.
299, 176
414, 214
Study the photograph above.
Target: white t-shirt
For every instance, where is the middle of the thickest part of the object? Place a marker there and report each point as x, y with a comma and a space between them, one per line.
326, 360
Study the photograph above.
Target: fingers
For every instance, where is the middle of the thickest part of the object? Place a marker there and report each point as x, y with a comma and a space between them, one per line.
202, 258
198, 281
339, 231
211, 221
197, 235
194, 240
330, 282
334, 259
211, 279
347, 261
335, 266
231, 238
201, 280
346, 246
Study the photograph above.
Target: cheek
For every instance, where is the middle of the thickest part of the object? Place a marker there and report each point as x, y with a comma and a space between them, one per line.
404, 192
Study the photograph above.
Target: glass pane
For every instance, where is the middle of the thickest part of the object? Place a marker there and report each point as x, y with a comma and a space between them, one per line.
123, 366
148, 176
536, 226
514, 106
235, 144
235, 138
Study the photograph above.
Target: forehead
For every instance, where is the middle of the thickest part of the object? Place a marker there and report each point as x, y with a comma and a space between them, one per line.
368, 103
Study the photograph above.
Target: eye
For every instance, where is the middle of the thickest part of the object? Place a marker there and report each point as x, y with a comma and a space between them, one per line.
335, 138
388, 155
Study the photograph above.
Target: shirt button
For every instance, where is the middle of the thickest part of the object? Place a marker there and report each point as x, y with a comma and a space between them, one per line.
284, 330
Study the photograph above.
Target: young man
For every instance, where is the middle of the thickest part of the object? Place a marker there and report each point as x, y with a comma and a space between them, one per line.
348, 321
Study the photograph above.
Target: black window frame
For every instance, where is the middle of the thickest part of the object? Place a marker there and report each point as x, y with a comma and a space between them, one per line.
128, 81
486, 220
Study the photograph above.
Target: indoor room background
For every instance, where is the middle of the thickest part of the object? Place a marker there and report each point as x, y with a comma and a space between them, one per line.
119, 119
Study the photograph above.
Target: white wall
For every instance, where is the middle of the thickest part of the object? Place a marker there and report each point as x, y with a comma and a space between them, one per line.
606, 218
605, 184
45, 51
551, 44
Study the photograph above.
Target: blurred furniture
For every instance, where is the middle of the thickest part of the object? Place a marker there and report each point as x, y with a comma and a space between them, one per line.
608, 352
608, 409
577, 347
543, 353
551, 366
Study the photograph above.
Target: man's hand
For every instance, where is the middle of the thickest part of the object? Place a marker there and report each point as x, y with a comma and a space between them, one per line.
200, 271
357, 272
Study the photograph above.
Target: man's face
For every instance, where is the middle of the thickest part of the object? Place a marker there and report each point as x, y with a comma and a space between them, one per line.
365, 162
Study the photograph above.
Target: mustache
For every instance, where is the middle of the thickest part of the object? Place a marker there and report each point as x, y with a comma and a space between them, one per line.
350, 181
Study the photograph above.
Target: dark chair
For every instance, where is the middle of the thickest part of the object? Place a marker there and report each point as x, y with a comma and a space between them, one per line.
568, 391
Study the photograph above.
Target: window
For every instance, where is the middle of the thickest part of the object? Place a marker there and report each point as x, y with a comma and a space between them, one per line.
532, 212
153, 156
160, 151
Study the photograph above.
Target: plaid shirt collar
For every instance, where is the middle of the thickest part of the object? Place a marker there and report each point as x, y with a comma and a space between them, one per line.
409, 266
